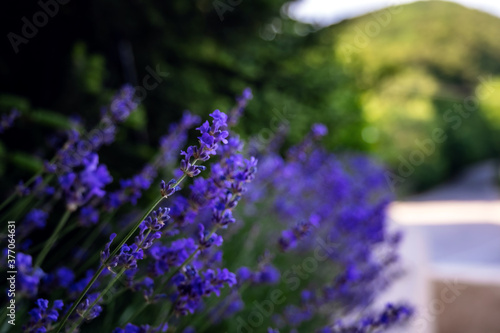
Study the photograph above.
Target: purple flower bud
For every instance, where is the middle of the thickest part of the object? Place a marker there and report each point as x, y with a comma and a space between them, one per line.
319, 130
41, 317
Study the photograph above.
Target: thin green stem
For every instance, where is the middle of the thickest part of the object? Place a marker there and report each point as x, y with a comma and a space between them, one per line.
13, 195
208, 321
14, 212
19, 209
66, 231
202, 316
80, 298
170, 313
53, 238
136, 313
108, 287
90, 240
143, 240
163, 309
115, 251
115, 295
8, 200
134, 228
108, 320
4, 315
104, 292
177, 269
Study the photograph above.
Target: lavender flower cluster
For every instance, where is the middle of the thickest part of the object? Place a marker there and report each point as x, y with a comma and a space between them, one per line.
196, 259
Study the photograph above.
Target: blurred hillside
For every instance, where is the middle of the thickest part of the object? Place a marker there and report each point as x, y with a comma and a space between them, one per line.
420, 67
376, 93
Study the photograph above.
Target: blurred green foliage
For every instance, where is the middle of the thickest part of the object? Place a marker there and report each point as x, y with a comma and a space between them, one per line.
378, 92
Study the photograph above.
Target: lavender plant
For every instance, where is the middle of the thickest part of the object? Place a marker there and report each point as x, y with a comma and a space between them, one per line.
244, 238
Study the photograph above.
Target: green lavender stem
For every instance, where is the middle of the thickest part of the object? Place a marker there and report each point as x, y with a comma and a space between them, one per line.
115, 251
7, 201
134, 228
28, 183
53, 238
66, 231
104, 292
90, 239
136, 313
13, 195
80, 298
103, 266
109, 286
171, 275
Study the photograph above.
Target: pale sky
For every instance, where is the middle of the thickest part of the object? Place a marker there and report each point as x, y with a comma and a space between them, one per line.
325, 12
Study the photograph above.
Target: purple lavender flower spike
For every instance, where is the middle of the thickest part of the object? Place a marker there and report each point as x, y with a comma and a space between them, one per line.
78, 147
123, 104
37, 187
211, 137
131, 189
43, 319
237, 111
28, 277
80, 187
167, 189
84, 309
7, 120
35, 219
191, 287
88, 216
148, 233
63, 277
205, 241
168, 257
173, 142
106, 252
267, 275
390, 316
290, 237
49, 167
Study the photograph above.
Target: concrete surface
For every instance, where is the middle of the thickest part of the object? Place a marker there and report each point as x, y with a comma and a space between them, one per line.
451, 253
